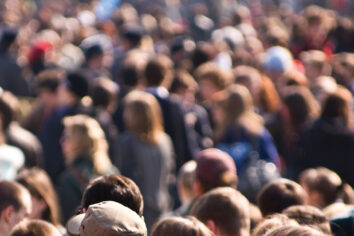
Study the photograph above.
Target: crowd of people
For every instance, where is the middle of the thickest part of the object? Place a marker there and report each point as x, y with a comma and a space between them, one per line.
176, 117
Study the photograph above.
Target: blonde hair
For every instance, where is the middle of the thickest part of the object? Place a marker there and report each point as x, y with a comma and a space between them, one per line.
142, 115
88, 139
237, 105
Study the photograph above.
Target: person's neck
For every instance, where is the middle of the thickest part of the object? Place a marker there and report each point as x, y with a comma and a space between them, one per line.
4, 229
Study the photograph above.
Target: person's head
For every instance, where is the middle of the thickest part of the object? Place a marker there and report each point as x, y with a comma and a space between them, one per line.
94, 56
250, 78
338, 106
324, 187
35, 228
73, 88
104, 94
48, 82
109, 218
15, 205
215, 168
179, 226
280, 194
301, 105
212, 79
83, 136
343, 68
113, 188
322, 86
272, 222
310, 216
316, 64
235, 106
44, 198
158, 71
184, 85
295, 230
186, 180
224, 210
147, 126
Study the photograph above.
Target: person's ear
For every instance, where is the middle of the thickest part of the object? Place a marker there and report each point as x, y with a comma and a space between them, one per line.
6, 213
211, 225
197, 188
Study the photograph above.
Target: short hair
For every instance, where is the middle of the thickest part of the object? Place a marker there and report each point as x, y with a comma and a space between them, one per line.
186, 175
34, 228
158, 70
272, 222
295, 230
280, 194
309, 215
327, 184
11, 195
210, 71
105, 93
179, 226
226, 207
114, 188
50, 79
183, 80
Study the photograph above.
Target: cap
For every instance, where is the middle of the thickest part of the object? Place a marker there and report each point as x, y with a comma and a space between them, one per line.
108, 218
212, 163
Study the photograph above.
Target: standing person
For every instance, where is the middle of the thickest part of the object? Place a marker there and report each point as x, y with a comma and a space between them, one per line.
86, 156
146, 153
15, 205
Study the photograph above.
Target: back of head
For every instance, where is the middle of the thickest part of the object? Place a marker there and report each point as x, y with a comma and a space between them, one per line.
292, 230
227, 208
13, 194
35, 228
338, 106
105, 94
280, 194
309, 215
50, 79
8, 108
221, 78
272, 222
178, 226
215, 168
77, 84
114, 188
158, 71
327, 184
110, 218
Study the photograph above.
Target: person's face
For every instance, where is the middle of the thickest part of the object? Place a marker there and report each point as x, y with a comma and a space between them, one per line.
38, 206
207, 89
48, 98
67, 146
21, 214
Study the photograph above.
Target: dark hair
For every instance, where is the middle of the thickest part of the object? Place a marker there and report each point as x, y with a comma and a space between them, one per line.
105, 93
280, 194
178, 226
114, 188
226, 207
158, 70
309, 215
40, 186
50, 79
93, 51
34, 228
11, 195
8, 108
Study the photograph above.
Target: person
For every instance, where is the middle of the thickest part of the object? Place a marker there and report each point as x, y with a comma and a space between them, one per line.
290, 230
146, 153
17, 136
225, 211
110, 218
158, 77
324, 187
179, 226
43, 195
116, 188
35, 228
330, 136
15, 205
310, 216
272, 222
85, 151
215, 168
280, 194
